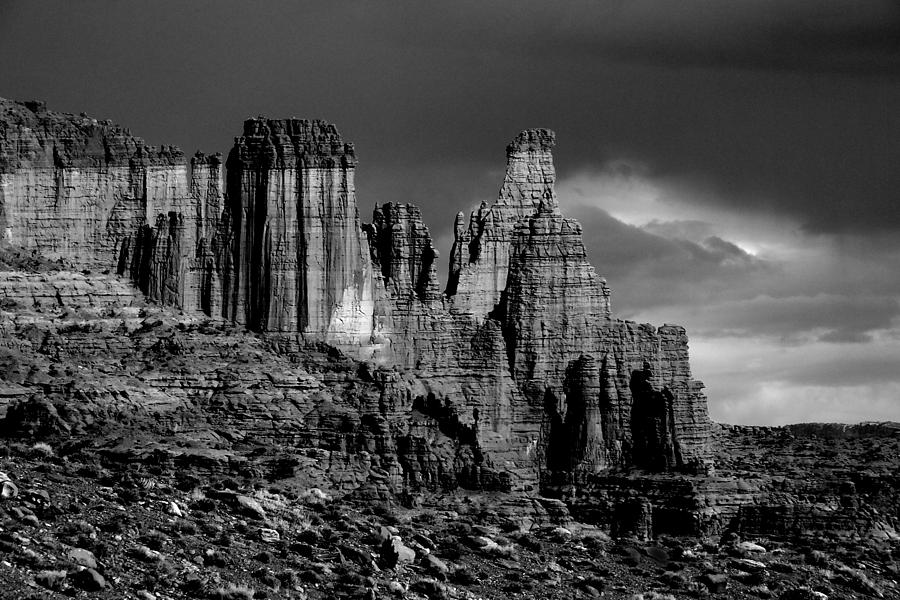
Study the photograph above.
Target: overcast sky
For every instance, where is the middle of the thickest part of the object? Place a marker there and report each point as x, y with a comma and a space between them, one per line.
736, 165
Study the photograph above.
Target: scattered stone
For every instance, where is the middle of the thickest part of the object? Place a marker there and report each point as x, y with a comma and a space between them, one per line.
749, 548
82, 557
8, 490
434, 590
674, 579
360, 557
251, 507
436, 566
658, 554
397, 588
315, 497
747, 564
395, 553
802, 593
145, 554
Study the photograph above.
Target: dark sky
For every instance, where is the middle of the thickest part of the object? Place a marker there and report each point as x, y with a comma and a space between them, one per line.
736, 164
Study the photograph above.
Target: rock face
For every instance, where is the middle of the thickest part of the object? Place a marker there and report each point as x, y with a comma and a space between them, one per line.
89, 192
519, 364
359, 382
479, 259
588, 380
401, 245
298, 260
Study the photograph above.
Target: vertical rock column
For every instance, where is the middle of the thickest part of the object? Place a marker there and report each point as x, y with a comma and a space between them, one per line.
207, 264
479, 258
552, 307
166, 244
577, 439
300, 263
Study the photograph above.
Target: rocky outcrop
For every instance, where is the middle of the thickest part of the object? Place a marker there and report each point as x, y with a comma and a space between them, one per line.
794, 482
554, 302
518, 379
557, 322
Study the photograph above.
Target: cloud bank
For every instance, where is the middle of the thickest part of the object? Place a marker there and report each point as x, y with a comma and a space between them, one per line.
785, 325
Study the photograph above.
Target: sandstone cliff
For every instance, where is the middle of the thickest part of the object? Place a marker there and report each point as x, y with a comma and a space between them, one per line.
91, 193
299, 261
522, 351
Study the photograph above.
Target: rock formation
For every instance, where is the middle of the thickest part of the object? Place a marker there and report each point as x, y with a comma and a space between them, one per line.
401, 245
299, 261
89, 192
479, 259
522, 350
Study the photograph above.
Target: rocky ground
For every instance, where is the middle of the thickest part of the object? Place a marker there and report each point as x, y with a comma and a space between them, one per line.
79, 519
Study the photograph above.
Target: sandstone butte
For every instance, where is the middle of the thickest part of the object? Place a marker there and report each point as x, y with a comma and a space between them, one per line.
238, 298
523, 337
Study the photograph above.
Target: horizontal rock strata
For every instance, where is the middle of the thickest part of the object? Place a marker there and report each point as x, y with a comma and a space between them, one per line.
91, 193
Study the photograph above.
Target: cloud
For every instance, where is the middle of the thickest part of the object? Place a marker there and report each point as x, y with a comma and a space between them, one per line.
818, 35
758, 381
795, 320
785, 326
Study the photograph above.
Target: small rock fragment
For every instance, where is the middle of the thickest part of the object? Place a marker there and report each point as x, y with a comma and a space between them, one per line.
8, 490
716, 583
436, 566
269, 535
251, 507
749, 548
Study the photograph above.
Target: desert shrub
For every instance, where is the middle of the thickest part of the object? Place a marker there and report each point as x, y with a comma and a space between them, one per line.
154, 539
464, 576
42, 449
